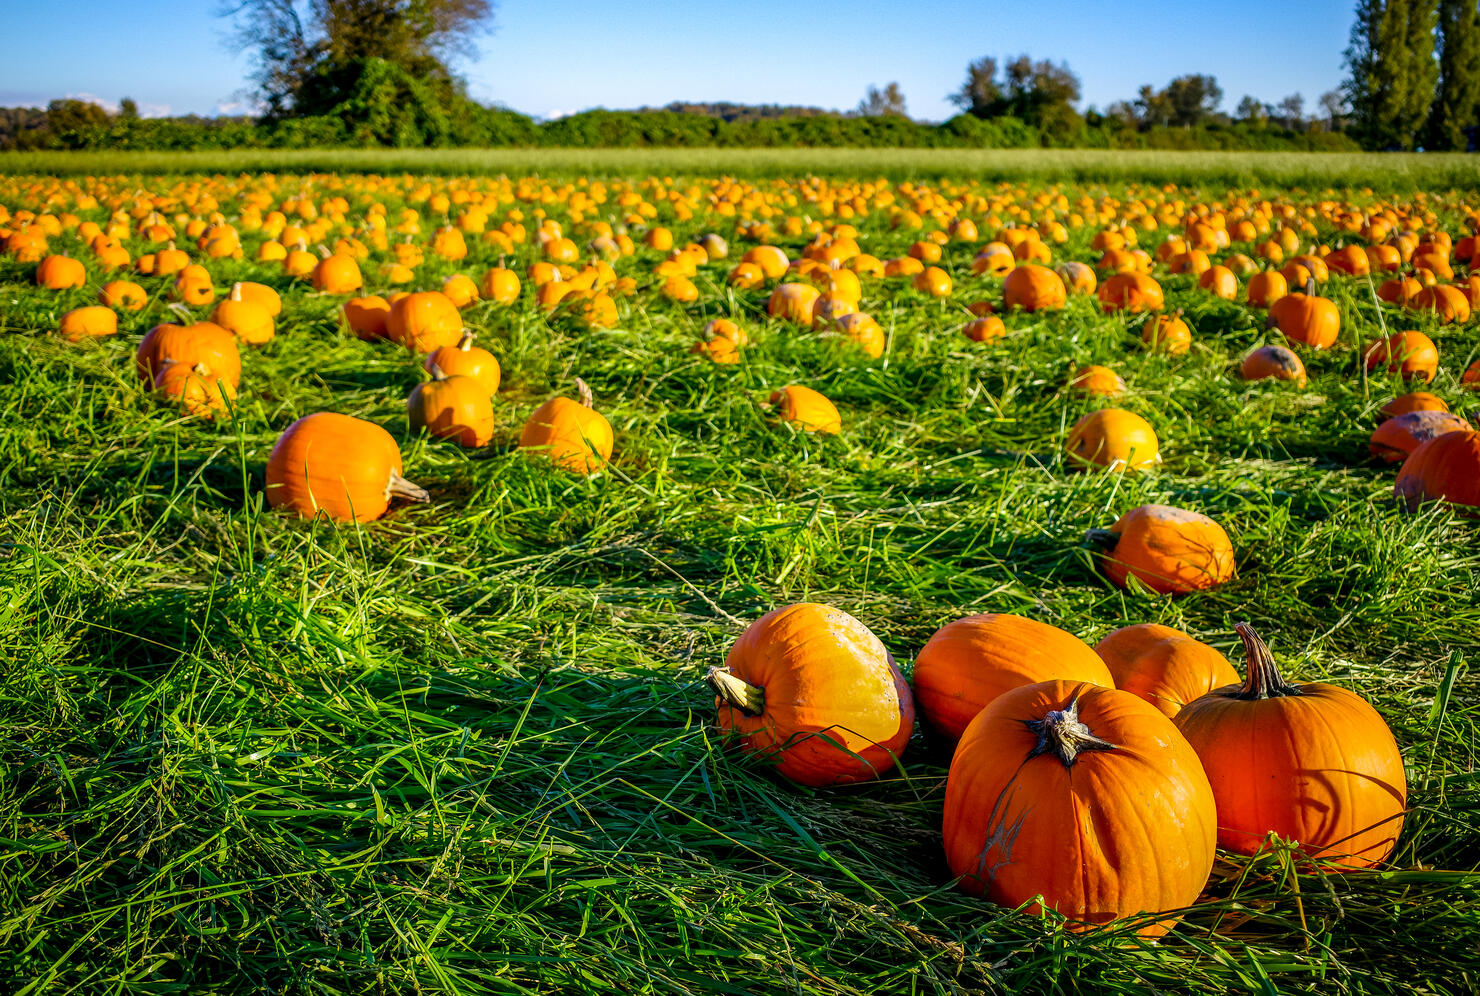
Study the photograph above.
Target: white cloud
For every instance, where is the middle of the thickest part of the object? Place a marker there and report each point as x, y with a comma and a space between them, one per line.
552, 115
233, 108
154, 110
111, 106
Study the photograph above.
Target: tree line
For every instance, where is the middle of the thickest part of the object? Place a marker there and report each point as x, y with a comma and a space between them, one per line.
379, 72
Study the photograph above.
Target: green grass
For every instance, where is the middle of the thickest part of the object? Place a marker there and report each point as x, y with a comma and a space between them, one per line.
1406, 172
466, 749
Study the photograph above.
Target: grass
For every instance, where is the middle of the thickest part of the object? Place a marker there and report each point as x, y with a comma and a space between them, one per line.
1386, 171
466, 749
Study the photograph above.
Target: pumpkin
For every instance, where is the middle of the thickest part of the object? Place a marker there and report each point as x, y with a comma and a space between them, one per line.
1097, 381
718, 350
863, 331
345, 467
246, 319
1397, 437
1399, 290
260, 294
455, 407
809, 689
770, 260
1220, 282
1446, 468
1415, 401
467, 360
1164, 666
200, 344
1169, 550
1409, 354
1078, 278
196, 388
793, 303
1267, 287
1033, 288
1115, 439
807, 409
60, 273
423, 321
1273, 363
123, 294
87, 322
1131, 292
574, 435
966, 664
337, 273
727, 329
933, 281
500, 285
193, 285
1309, 763
1080, 799
1167, 334
367, 317
986, 329
1305, 318
1449, 304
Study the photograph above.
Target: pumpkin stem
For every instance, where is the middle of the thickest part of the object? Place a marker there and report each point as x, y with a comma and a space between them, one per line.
1263, 680
466, 342
437, 372
749, 699
587, 398
1310, 286
1061, 734
399, 487
236, 291
1103, 538
180, 311
323, 250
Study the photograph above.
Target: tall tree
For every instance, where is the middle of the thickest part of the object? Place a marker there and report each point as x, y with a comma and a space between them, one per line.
1292, 112
878, 103
1393, 71
1333, 104
981, 94
298, 42
1457, 104
1251, 110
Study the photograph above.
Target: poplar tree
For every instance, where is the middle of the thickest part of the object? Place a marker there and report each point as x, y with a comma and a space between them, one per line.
1394, 71
1457, 104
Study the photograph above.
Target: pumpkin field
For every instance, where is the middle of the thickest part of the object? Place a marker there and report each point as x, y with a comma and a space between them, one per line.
682, 581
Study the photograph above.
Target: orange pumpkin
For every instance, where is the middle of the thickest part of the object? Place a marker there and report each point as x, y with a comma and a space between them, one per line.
1267, 287
200, 344
1310, 763
423, 321
1097, 381
1114, 439
574, 435
337, 273
197, 389
1220, 282
88, 322
1131, 292
1449, 304
60, 273
1409, 354
1083, 800
807, 409
467, 360
245, 319
123, 294
1273, 363
345, 467
1169, 550
1397, 437
863, 331
1033, 288
1164, 666
968, 663
1167, 334
1414, 401
1446, 468
455, 407
811, 690
793, 303
1305, 318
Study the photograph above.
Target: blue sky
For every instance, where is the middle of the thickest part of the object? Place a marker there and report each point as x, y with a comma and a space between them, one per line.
548, 59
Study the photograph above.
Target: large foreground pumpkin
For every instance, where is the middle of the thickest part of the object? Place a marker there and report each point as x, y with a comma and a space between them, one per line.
968, 663
1084, 796
1446, 468
345, 467
1312, 763
812, 689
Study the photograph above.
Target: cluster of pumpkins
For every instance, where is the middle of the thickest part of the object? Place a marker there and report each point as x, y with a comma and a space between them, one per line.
1095, 782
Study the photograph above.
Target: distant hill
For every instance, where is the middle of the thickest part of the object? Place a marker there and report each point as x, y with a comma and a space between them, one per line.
726, 111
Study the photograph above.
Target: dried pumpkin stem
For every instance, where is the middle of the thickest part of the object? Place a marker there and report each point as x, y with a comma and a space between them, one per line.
1103, 538
749, 699
402, 488
1263, 680
587, 398
1061, 734
436, 370
466, 342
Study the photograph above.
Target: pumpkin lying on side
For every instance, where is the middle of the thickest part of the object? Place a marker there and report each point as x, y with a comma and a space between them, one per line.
345, 467
1169, 550
1312, 763
1164, 666
1080, 799
966, 664
1446, 468
1114, 439
1397, 437
806, 409
811, 689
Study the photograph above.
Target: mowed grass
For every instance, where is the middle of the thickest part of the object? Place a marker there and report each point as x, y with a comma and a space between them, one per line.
1313, 171
466, 749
